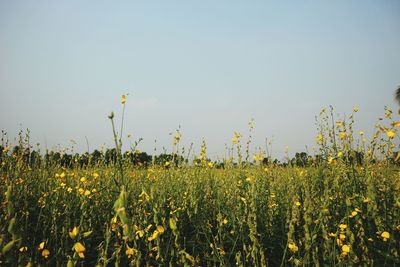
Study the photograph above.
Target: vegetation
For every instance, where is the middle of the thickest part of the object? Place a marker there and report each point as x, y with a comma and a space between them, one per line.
339, 207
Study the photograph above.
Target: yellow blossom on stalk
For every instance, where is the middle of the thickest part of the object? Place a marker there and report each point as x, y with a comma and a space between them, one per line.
210, 164
83, 179
343, 135
332, 235
342, 226
123, 99
345, 250
355, 109
80, 249
63, 185
87, 193
293, 247
153, 236
95, 175
361, 133
319, 138
148, 228
45, 253
298, 204
81, 191
41, 246
385, 235
225, 221
396, 124
391, 134
74, 232
139, 234
236, 137
353, 214
23, 249
258, 157
69, 189
130, 252
342, 237
160, 229
331, 160
340, 154
167, 163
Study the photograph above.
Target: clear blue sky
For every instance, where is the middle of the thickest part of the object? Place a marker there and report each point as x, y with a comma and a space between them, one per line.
209, 66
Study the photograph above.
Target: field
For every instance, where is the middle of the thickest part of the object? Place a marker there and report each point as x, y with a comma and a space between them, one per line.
340, 207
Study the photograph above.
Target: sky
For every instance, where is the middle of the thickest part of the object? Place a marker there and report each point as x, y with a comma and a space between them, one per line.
208, 67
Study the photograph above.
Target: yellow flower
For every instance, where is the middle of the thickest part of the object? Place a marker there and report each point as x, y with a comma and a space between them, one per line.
130, 252
123, 99
235, 140
83, 179
148, 228
153, 236
23, 249
81, 191
353, 214
41, 246
210, 164
62, 175
385, 235
87, 193
343, 135
80, 249
167, 163
391, 134
345, 250
298, 204
95, 175
396, 124
139, 234
293, 247
45, 253
342, 226
355, 109
69, 189
225, 221
160, 229
366, 200
340, 154
63, 185
361, 133
74, 232
332, 235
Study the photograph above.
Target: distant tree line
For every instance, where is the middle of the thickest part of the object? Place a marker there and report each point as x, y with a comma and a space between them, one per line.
144, 160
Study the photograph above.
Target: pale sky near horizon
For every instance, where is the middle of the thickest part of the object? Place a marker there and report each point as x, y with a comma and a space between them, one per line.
208, 66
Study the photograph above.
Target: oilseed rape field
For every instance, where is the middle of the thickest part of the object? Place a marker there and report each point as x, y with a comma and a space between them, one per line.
339, 207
